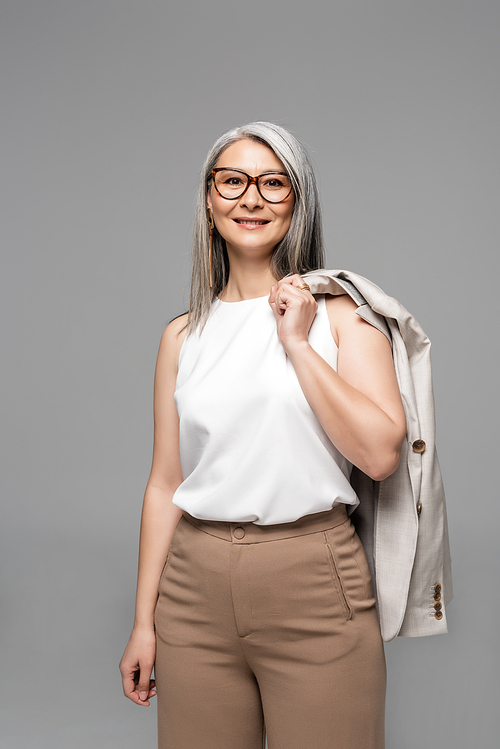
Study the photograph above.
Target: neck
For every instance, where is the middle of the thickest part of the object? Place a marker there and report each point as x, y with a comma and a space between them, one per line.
247, 280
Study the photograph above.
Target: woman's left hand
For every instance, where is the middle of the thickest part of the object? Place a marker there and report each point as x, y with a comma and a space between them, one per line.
294, 309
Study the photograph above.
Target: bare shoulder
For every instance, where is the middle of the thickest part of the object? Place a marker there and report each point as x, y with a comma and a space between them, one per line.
342, 315
171, 341
166, 470
365, 358
176, 329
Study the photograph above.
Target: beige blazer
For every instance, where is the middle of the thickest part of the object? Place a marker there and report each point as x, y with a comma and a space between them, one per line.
402, 520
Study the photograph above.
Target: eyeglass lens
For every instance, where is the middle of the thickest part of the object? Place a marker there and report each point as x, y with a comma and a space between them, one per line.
273, 187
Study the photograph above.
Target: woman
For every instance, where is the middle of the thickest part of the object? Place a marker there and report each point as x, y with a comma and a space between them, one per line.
254, 594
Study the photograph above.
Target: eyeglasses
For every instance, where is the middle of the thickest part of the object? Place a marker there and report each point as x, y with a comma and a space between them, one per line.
231, 184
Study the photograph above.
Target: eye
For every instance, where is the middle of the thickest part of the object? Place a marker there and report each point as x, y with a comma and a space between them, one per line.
233, 181
273, 182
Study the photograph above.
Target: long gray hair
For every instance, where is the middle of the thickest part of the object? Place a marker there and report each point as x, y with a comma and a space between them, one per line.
299, 251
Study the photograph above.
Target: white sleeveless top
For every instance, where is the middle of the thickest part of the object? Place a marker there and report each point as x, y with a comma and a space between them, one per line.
251, 448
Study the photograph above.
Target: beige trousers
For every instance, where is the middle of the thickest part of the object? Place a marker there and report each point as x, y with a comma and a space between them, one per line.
268, 630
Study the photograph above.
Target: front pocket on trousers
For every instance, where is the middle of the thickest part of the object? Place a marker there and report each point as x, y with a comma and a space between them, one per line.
169, 552
337, 579
167, 560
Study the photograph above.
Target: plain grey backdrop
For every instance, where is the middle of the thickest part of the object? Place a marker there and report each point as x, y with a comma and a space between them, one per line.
107, 111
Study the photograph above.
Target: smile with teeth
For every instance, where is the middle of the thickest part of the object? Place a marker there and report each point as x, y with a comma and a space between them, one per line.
250, 222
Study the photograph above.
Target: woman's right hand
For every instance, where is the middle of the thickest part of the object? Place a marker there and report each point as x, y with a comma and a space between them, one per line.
160, 518
137, 664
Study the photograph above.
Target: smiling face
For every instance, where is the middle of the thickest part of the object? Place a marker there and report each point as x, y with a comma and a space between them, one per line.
250, 224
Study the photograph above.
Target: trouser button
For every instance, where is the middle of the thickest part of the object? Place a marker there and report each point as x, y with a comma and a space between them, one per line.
239, 533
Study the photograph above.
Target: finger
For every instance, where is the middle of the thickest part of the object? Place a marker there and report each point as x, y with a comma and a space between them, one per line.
275, 299
274, 309
297, 280
285, 294
287, 287
280, 304
129, 690
277, 304
144, 681
291, 292
294, 280
135, 697
291, 280
129, 685
151, 693
137, 700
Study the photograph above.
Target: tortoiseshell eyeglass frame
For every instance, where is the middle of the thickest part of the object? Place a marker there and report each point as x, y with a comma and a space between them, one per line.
251, 181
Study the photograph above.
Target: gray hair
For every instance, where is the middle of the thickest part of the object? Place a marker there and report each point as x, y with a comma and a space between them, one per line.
301, 249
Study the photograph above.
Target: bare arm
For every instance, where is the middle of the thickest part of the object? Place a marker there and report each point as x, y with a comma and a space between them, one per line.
359, 407
159, 519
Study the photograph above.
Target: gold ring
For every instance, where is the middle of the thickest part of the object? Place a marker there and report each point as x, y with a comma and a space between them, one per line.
304, 286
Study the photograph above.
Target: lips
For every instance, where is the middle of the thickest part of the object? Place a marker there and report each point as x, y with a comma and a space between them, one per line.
250, 222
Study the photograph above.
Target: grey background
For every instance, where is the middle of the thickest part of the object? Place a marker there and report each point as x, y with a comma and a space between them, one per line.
107, 111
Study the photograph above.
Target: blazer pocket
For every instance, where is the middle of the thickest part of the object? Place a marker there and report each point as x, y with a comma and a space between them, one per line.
337, 580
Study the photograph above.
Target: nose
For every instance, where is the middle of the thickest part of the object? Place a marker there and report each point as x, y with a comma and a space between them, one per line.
251, 198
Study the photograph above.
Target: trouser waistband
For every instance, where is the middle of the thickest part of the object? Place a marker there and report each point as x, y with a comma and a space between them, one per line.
250, 533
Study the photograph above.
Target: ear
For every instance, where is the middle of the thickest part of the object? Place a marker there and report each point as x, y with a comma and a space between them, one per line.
209, 200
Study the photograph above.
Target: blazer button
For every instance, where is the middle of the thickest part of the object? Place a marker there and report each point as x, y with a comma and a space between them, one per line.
437, 588
419, 508
437, 596
419, 446
438, 606
438, 614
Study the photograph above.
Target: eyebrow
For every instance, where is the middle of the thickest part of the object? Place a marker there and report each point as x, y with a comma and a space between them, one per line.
268, 171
